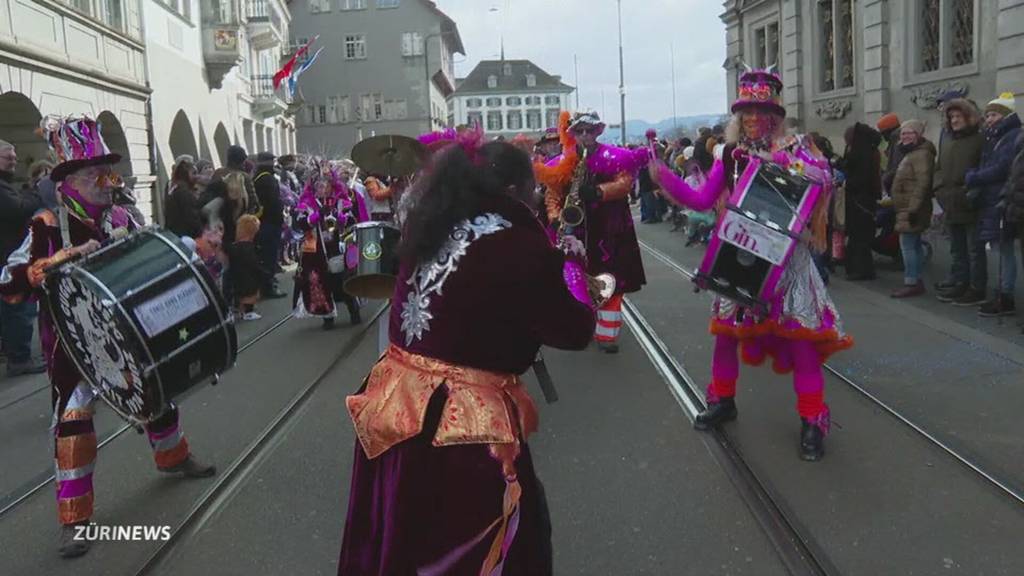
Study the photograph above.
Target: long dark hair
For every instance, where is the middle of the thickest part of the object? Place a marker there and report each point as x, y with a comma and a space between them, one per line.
453, 189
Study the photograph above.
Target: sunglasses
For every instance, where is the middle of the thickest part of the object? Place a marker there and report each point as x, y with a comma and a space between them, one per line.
109, 179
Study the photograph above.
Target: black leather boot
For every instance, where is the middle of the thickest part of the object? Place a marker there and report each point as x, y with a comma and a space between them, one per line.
717, 412
353, 312
68, 546
812, 441
328, 323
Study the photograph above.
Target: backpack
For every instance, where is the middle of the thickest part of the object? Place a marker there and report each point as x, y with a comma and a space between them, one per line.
237, 194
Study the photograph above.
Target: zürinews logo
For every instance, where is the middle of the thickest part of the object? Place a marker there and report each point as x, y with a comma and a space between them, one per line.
97, 533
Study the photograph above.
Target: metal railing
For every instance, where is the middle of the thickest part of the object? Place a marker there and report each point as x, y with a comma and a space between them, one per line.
262, 11
263, 86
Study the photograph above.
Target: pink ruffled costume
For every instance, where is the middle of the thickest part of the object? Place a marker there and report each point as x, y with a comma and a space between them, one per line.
802, 327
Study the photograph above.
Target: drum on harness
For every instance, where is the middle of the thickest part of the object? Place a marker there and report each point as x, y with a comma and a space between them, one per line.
765, 217
377, 271
142, 321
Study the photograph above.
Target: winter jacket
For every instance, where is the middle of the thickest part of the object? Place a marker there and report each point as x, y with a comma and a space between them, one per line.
182, 211
862, 165
1013, 192
893, 155
912, 188
959, 152
989, 177
268, 190
16, 210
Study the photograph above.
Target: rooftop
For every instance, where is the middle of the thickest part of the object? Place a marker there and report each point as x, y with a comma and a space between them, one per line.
477, 80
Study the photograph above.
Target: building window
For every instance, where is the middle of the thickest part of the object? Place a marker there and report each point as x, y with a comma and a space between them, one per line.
552, 117
513, 101
515, 120
353, 4
321, 114
531, 80
85, 6
474, 119
533, 100
766, 45
113, 14
412, 44
835, 19
494, 121
318, 6
946, 34
492, 81
395, 109
387, 3
494, 102
474, 103
507, 69
378, 106
533, 118
344, 114
355, 47
553, 100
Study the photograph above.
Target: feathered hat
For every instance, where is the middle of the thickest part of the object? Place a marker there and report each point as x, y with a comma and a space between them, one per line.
586, 119
77, 143
760, 89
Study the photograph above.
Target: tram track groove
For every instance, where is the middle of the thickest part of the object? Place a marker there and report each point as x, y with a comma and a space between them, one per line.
236, 474
976, 469
798, 552
42, 480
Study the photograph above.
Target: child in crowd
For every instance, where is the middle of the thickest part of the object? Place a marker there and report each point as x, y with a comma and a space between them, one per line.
246, 272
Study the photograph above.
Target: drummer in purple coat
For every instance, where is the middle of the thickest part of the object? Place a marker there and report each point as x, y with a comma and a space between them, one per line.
443, 481
85, 217
325, 210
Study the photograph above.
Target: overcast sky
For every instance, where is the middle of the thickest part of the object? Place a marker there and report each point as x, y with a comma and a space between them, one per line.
549, 32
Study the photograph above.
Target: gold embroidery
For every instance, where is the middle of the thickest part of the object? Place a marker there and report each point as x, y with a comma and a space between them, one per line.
76, 451
482, 407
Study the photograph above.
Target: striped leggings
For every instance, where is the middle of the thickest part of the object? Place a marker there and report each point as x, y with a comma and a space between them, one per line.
75, 452
609, 320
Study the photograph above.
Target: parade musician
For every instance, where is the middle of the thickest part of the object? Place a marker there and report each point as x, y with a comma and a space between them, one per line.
443, 481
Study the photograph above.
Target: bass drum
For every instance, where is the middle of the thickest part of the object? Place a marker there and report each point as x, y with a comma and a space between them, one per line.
143, 322
377, 271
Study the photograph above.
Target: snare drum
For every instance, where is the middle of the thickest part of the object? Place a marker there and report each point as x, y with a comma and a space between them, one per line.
142, 321
377, 271
755, 238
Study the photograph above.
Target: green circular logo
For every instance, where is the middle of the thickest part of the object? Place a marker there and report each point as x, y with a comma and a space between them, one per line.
372, 251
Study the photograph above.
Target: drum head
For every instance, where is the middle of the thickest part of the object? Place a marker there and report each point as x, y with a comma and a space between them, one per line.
372, 286
103, 344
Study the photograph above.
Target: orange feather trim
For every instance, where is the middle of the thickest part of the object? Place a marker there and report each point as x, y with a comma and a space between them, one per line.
827, 342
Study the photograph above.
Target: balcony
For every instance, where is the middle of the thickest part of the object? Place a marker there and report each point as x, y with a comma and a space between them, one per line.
265, 27
222, 28
267, 102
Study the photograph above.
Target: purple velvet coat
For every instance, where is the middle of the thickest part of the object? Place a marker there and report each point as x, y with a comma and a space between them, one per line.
502, 300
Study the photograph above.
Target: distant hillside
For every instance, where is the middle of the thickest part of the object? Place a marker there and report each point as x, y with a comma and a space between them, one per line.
636, 129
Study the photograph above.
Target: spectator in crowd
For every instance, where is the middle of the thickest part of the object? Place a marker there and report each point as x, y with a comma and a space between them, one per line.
862, 165
41, 183
204, 174
912, 199
985, 184
960, 151
248, 274
181, 208
234, 185
1013, 194
268, 240
16, 317
889, 127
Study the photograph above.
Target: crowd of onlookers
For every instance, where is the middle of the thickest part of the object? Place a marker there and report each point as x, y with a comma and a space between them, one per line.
895, 188
236, 218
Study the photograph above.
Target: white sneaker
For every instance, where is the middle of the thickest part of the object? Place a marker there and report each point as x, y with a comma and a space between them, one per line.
251, 316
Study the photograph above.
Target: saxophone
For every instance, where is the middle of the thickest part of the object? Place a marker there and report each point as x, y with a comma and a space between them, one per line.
573, 214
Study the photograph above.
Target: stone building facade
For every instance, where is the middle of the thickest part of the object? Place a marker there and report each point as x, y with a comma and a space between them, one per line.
76, 57
854, 60
509, 97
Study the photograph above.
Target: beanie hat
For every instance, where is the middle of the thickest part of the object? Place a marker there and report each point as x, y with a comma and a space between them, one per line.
888, 122
1004, 105
913, 124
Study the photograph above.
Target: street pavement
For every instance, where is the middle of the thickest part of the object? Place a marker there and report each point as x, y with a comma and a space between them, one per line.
632, 488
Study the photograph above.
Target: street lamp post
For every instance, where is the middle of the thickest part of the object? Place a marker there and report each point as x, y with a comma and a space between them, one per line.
622, 80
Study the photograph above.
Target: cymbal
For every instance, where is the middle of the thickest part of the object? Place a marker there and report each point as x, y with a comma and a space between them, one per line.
389, 155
